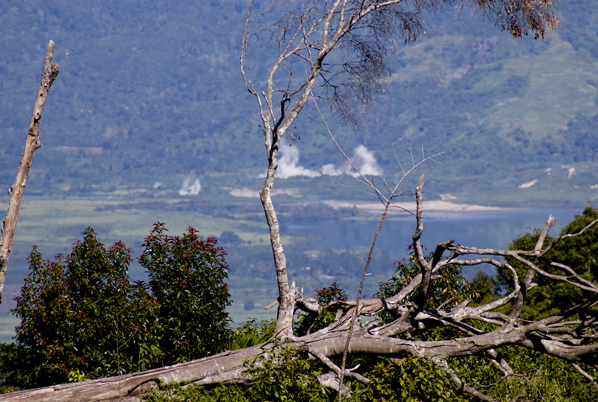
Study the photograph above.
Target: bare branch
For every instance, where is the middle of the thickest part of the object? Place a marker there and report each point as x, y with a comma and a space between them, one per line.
585, 374
460, 383
544, 233
336, 369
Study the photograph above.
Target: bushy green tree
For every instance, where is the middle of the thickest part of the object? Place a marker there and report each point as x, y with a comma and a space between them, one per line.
186, 276
81, 317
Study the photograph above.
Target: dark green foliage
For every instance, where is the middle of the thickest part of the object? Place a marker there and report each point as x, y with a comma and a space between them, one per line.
194, 393
307, 323
288, 374
485, 287
448, 288
81, 317
285, 374
251, 334
410, 379
186, 277
580, 253
282, 373
8, 353
330, 294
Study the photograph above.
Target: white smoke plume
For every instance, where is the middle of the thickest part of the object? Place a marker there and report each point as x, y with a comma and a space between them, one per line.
331, 170
189, 187
362, 158
366, 162
288, 164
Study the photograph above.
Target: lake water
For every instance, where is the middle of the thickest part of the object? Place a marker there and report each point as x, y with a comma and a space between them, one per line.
494, 229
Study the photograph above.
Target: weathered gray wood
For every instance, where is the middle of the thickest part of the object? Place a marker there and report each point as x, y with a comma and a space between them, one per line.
130, 386
9, 225
228, 366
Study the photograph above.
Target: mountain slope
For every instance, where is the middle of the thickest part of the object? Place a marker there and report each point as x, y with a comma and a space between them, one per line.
150, 93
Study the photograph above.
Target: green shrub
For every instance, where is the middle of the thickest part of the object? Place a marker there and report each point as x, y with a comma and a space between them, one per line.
82, 318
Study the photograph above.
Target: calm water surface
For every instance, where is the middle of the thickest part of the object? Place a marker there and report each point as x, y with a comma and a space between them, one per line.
477, 229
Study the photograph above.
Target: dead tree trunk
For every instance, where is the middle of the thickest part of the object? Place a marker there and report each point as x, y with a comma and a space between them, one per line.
9, 225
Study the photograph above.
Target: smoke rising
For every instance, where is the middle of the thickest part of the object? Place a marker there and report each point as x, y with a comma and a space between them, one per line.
288, 165
189, 187
363, 159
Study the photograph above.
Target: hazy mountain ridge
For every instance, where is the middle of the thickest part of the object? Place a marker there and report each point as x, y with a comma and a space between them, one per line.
151, 93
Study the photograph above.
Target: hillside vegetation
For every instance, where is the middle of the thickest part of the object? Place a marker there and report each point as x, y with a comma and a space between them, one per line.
150, 94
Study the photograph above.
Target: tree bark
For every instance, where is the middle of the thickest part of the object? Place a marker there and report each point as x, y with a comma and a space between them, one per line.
9, 225
286, 298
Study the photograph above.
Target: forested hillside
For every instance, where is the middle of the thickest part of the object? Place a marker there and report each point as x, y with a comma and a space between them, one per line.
149, 94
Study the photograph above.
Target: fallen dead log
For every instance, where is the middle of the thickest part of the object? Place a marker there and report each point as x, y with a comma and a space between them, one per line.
130, 387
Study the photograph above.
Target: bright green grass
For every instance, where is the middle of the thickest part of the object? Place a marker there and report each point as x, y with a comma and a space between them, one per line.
46, 219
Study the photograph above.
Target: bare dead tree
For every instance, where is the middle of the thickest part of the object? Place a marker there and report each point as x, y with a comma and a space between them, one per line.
9, 225
338, 50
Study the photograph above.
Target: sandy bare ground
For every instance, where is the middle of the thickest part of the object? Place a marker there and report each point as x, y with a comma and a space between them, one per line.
410, 206
437, 205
